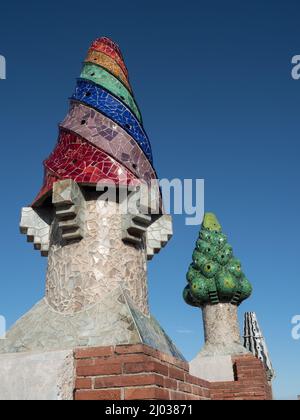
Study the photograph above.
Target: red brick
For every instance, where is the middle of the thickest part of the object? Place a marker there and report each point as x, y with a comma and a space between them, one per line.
154, 367
130, 358
206, 393
185, 387
128, 381
87, 362
85, 353
221, 385
176, 395
196, 381
176, 373
247, 362
138, 349
251, 372
219, 396
83, 383
107, 394
175, 362
115, 359
141, 348
100, 369
244, 358
152, 393
197, 390
170, 383
134, 348
250, 383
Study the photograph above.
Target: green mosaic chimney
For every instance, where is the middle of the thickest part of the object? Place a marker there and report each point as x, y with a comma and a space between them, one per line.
215, 275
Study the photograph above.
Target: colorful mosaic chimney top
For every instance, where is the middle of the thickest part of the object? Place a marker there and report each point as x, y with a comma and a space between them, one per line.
102, 138
97, 238
215, 276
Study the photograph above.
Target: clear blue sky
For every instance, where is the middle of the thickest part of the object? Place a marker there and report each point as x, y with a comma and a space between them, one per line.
212, 79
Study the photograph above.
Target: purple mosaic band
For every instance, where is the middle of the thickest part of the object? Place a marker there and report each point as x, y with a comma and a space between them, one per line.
110, 137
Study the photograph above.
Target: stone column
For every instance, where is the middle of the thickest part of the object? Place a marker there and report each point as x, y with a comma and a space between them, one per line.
221, 330
82, 272
96, 285
222, 342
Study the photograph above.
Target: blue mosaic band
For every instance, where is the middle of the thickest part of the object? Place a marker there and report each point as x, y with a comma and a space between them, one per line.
98, 98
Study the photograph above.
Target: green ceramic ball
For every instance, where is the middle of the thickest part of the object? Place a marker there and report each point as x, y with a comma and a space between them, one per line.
198, 259
188, 297
209, 269
234, 267
198, 290
226, 284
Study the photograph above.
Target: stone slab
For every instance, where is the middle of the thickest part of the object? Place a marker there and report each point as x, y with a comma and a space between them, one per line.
37, 376
212, 369
115, 320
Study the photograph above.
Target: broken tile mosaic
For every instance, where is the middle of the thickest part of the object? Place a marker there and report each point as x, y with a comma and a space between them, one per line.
103, 133
104, 120
102, 77
98, 98
103, 60
110, 48
75, 158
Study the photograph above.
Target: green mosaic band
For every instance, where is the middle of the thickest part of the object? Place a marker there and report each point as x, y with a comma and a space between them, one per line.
103, 78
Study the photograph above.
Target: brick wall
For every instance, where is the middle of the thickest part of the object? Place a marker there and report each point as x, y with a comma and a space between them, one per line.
134, 373
139, 372
250, 382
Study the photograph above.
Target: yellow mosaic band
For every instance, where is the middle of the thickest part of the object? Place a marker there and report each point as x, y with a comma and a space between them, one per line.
103, 60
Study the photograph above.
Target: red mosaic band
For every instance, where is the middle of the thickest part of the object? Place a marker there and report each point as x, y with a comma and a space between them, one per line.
111, 49
75, 158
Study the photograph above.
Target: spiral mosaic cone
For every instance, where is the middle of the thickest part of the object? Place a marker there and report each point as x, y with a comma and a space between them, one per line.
102, 138
215, 275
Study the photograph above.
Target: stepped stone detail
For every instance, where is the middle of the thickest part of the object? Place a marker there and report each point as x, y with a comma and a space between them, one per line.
158, 235
35, 224
70, 211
